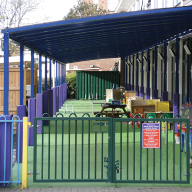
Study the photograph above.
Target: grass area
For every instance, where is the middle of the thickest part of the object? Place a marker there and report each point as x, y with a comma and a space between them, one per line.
135, 162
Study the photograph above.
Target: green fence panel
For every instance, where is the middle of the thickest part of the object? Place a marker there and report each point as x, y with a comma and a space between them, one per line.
95, 83
167, 164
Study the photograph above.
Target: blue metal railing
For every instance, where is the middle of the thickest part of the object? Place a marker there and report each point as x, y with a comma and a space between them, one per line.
4, 120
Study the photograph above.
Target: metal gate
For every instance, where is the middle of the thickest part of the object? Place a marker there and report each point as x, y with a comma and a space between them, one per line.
108, 150
72, 149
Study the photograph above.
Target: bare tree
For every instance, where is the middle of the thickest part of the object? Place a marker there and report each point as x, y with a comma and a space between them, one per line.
12, 12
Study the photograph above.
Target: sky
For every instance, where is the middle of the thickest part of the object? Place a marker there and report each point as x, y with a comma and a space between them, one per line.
50, 10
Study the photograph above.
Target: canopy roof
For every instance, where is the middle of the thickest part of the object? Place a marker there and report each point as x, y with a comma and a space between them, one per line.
106, 36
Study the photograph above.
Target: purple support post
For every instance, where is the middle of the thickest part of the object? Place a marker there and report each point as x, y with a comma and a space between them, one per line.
190, 100
165, 96
39, 111
50, 104
8, 159
57, 98
64, 92
148, 93
132, 87
176, 108
136, 90
21, 112
60, 96
142, 92
31, 116
155, 93
45, 105
54, 100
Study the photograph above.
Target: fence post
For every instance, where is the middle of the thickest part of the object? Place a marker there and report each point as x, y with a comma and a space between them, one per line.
25, 151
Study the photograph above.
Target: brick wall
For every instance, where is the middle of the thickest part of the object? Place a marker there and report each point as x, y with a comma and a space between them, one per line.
102, 64
103, 3
88, 1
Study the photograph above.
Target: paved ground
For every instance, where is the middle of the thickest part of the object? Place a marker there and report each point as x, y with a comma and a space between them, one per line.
100, 189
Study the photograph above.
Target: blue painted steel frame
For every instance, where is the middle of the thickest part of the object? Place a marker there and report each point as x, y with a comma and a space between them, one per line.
50, 74
45, 73
21, 73
159, 21
32, 73
6, 74
40, 73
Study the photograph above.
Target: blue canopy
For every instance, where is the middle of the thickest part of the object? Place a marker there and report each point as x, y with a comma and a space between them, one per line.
105, 36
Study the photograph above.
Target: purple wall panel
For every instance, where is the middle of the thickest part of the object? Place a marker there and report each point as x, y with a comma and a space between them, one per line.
39, 111
176, 108
21, 112
148, 93
136, 90
8, 150
31, 115
54, 100
165, 96
61, 95
142, 92
155, 93
45, 105
132, 87
50, 95
31, 110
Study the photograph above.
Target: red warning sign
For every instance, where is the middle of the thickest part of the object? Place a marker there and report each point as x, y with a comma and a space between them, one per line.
151, 135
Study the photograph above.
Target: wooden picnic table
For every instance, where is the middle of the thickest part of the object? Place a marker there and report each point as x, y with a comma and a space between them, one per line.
113, 113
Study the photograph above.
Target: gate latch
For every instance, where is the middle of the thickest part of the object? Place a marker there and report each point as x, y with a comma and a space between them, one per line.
106, 160
116, 166
31, 173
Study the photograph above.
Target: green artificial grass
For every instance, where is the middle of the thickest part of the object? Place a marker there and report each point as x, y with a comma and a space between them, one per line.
147, 164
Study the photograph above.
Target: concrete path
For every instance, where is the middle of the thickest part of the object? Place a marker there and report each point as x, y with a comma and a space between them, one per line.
100, 189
